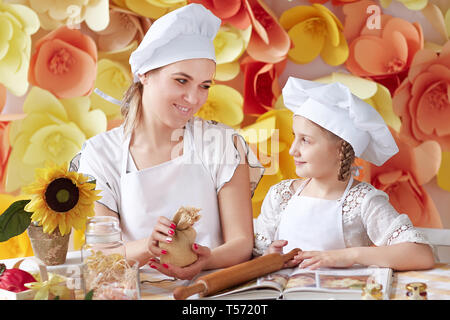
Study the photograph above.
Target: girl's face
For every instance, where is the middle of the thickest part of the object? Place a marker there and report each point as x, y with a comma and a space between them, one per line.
174, 93
315, 151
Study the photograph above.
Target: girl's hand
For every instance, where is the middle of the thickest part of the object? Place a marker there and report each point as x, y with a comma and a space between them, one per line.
277, 247
341, 258
188, 272
163, 231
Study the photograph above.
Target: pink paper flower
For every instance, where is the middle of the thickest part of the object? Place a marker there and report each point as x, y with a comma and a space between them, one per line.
423, 99
402, 177
64, 63
384, 52
123, 28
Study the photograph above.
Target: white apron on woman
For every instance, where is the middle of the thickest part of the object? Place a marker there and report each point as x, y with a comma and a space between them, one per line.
148, 193
312, 223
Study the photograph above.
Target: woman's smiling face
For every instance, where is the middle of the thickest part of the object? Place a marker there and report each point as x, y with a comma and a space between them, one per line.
314, 149
174, 93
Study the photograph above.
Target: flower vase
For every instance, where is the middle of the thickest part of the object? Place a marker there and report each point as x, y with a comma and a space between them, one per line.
52, 248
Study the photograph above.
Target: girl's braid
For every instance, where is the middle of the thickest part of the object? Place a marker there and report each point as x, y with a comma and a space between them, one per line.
346, 156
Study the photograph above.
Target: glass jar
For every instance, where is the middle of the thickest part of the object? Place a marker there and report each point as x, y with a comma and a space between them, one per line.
416, 291
105, 265
103, 236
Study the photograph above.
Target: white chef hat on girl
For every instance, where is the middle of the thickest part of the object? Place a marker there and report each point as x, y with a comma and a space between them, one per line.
185, 33
335, 108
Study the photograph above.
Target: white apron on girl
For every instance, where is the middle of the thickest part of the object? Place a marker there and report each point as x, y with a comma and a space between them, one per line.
312, 223
160, 190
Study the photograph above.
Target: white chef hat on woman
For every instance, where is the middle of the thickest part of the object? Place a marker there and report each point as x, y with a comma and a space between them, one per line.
335, 108
185, 33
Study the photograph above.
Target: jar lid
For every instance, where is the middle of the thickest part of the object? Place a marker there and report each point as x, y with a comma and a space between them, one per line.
416, 286
102, 229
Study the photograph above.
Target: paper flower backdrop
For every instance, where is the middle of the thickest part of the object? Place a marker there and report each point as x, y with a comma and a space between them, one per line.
394, 54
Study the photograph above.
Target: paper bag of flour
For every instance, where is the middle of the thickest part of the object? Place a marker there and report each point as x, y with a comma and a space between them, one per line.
179, 252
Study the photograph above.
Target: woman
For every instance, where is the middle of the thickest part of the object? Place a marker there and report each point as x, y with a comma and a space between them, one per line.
163, 158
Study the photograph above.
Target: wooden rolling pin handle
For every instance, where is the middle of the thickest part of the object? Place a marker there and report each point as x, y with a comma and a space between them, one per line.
182, 293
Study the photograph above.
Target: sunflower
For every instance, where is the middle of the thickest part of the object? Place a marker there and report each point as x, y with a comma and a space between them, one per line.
60, 198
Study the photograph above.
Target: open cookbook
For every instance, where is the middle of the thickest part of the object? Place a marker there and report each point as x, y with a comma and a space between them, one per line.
304, 284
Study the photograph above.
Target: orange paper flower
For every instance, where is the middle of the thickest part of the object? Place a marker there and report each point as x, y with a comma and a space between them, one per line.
269, 42
233, 12
64, 63
422, 100
261, 87
402, 177
123, 28
383, 52
334, 2
5, 147
5, 151
2, 97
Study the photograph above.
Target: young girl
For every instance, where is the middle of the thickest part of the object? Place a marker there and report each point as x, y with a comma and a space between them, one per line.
163, 158
332, 218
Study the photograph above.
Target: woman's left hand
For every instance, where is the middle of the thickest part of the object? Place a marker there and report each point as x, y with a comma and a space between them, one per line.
188, 272
341, 258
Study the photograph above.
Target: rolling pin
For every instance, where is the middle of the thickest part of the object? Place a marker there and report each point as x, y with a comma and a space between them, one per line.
235, 275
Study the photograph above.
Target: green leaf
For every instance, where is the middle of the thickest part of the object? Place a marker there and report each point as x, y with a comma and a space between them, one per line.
89, 295
15, 220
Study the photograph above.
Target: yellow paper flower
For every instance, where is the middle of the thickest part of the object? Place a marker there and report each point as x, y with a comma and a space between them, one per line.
410, 4
230, 43
315, 30
373, 93
18, 246
56, 13
113, 79
438, 14
60, 199
271, 137
224, 105
152, 9
55, 286
17, 24
52, 130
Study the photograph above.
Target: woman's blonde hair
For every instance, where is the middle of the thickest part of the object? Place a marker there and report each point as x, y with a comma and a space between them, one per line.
131, 107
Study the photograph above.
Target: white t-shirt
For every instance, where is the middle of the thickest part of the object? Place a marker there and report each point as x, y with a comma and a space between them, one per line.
101, 157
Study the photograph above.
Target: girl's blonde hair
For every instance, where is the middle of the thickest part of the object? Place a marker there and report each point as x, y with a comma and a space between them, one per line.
131, 107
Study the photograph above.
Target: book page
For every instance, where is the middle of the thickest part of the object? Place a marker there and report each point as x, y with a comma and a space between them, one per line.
338, 280
277, 279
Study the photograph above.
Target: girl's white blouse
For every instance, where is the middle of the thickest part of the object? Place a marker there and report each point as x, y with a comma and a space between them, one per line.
101, 157
367, 218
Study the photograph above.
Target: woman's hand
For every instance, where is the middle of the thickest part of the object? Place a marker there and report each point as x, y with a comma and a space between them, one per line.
277, 247
341, 258
188, 272
162, 232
